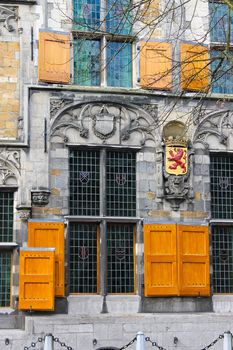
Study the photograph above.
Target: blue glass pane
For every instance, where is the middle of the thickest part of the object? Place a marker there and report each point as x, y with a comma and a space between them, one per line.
223, 77
86, 14
119, 64
219, 22
119, 19
87, 62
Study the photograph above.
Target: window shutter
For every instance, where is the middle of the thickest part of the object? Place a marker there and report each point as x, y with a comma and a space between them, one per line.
156, 65
194, 67
54, 57
50, 234
37, 279
160, 260
193, 250
149, 12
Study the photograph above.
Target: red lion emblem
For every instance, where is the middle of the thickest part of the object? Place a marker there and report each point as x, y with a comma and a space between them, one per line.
177, 159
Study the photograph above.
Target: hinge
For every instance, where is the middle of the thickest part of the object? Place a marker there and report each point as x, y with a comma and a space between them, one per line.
70, 75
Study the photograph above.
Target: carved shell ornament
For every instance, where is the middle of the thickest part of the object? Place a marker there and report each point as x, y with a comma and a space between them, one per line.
104, 120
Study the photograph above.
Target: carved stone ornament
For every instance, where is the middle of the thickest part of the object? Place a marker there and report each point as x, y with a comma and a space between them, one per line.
218, 124
103, 121
177, 164
9, 167
40, 198
8, 14
24, 212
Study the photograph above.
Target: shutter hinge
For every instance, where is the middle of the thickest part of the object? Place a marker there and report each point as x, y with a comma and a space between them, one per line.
71, 44
71, 75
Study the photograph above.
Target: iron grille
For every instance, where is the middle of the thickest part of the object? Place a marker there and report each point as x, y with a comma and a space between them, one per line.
6, 216
84, 182
83, 258
121, 183
120, 244
222, 245
5, 277
221, 178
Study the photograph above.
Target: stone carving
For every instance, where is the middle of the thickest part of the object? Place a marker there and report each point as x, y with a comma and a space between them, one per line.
104, 120
9, 167
40, 197
177, 188
152, 110
216, 124
56, 105
8, 13
24, 212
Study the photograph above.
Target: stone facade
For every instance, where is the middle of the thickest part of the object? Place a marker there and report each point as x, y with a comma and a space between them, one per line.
41, 122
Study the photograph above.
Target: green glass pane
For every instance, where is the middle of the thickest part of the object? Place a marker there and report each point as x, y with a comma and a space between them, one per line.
5, 274
6, 216
87, 62
86, 15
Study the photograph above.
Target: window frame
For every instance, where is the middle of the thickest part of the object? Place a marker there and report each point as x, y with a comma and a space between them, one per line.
104, 37
101, 222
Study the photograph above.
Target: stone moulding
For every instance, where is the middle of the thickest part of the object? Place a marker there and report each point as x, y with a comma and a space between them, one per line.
7, 14
24, 212
104, 120
217, 124
9, 167
40, 197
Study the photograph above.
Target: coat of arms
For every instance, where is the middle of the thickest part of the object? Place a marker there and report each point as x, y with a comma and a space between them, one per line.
176, 160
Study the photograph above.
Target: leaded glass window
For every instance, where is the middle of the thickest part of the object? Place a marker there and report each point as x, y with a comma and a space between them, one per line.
98, 60
5, 276
120, 256
121, 183
219, 22
87, 66
84, 182
6, 216
222, 250
222, 73
84, 267
221, 178
119, 65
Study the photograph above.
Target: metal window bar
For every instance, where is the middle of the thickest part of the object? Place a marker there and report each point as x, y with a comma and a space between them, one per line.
5, 278
6, 216
121, 183
84, 258
120, 257
221, 181
84, 182
222, 250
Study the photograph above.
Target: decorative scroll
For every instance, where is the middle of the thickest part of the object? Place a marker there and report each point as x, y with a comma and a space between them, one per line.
9, 167
7, 14
216, 124
104, 120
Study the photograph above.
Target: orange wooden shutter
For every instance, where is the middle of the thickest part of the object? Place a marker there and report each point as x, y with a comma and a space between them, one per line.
194, 67
193, 250
37, 279
149, 12
156, 65
54, 57
160, 260
50, 234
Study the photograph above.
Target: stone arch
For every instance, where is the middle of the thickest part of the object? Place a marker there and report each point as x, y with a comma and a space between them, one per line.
106, 122
9, 168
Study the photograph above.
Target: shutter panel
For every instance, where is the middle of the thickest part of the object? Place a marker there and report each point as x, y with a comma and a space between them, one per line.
54, 57
193, 250
37, 279
156, 65
149, 12
50, 234
194, 67
160, 260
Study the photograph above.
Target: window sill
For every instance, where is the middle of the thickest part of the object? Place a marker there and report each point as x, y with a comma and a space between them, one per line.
74, 218
10, 245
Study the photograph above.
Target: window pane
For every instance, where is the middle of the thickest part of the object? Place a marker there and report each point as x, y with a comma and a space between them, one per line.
121, 183
6, 216
222, 75
219, 22
83, 258
119, 64
87, 62
222, 245
5, 276
118, 19
221, 177
84, 182
120, 242
86, 14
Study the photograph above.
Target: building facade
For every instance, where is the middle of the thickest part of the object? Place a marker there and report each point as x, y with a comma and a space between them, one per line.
115, 172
